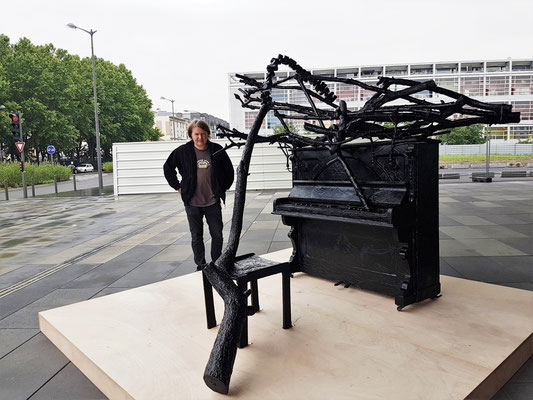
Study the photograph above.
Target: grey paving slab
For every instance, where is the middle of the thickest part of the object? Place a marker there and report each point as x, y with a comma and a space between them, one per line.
507, 219
23, 272
281, 234
139, 254
275, 246
27, 317
447, 269
41, 288
520, 391
146, 273
69, 384
174, 252
525, 373
184, 268
454, 248
485, 269
103, 276
525, 245
30, 366
109, 290
10, 339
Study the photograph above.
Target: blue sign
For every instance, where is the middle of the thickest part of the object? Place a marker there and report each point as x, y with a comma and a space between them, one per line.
50, 149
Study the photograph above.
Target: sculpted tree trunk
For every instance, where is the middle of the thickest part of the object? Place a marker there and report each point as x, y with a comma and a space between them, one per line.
219, 368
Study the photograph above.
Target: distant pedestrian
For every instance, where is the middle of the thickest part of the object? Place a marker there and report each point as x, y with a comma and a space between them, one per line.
205, 178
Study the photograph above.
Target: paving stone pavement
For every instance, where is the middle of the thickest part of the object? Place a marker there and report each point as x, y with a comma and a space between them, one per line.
60, 250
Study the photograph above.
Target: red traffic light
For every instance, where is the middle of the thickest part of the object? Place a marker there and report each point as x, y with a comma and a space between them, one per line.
14, 117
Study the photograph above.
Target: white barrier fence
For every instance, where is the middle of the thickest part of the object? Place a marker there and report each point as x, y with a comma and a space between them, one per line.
495, 148
138, 167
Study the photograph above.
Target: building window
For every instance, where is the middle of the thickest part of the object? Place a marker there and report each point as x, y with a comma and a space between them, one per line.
472, 87
521, 132
272, 121
346, 92
249, 118
525, 108
497, 86
365, 93
522, 85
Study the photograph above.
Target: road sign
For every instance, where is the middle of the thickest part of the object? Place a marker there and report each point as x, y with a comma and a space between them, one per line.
50, 149
20, 146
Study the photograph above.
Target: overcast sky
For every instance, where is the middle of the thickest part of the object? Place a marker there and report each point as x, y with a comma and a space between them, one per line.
184, 49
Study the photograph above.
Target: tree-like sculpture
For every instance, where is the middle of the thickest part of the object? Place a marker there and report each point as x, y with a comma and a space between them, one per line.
393, 113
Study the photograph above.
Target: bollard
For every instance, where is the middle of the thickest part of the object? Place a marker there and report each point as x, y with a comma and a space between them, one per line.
55, 184
74, 181
7, 191
32, 187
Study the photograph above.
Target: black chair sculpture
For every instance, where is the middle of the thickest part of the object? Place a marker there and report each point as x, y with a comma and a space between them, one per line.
249, 268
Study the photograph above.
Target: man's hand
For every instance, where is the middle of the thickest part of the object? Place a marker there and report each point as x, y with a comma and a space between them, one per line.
179, 190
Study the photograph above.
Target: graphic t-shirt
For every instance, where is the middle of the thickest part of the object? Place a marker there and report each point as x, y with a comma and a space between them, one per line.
203, 195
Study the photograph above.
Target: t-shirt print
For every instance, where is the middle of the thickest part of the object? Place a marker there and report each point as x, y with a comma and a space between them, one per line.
203, 164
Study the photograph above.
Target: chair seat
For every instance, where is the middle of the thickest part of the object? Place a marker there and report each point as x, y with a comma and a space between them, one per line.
256, 267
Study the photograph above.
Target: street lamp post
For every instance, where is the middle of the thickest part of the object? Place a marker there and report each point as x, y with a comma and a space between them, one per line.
96, 123
173, 122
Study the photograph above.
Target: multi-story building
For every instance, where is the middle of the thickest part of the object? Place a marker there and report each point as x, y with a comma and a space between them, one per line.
498, 81
171, 126
210, 119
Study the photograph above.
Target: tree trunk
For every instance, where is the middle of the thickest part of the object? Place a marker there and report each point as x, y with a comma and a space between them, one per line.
218, 371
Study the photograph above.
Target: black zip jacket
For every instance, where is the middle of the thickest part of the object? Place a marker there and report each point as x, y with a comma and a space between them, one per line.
184, 159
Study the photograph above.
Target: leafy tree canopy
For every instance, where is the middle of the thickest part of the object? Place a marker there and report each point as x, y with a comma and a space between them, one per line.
464, 135
53, 90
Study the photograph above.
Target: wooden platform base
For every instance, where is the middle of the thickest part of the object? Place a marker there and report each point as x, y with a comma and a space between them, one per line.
152, 342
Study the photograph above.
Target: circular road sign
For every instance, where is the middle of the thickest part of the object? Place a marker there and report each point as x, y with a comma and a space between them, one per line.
50, 149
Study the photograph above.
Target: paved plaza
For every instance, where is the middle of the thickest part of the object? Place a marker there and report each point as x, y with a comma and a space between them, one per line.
60, 250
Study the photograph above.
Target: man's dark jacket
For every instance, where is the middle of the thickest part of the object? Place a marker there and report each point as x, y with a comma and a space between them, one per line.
184, 159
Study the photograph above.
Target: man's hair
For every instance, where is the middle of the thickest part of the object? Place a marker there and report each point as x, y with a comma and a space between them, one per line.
198, 123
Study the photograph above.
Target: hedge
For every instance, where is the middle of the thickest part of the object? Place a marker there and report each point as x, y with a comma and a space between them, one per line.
40, 173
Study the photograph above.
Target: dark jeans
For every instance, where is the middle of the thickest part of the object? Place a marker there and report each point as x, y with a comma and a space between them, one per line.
213, 215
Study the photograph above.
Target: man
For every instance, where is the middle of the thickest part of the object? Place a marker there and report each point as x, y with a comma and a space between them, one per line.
205, 178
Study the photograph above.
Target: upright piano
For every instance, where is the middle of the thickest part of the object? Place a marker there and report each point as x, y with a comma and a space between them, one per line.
392, 245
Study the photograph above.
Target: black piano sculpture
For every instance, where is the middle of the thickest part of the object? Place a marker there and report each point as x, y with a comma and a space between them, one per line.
364, 203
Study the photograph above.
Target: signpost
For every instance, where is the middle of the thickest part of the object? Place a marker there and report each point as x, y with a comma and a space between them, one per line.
51, 150
20, 146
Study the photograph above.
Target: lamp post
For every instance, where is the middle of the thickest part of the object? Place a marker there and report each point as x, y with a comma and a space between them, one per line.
96, 123
173, 126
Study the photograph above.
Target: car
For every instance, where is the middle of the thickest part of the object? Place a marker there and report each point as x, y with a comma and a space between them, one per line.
85, 168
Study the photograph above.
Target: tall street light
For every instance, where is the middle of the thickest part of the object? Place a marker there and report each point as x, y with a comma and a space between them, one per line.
96, 123
173, 126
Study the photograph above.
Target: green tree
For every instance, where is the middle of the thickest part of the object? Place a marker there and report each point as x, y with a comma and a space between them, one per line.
54, 92
464, 135
280, 129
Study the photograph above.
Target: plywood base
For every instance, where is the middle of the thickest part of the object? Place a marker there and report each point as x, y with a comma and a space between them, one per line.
152, 342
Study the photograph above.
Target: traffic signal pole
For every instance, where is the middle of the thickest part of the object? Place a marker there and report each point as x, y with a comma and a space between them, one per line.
24, 187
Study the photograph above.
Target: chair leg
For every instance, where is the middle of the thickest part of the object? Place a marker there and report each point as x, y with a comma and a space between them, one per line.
255, 295
243, 342
286, 296
209, 303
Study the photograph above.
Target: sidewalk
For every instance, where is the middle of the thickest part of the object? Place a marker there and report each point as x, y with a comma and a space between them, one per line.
84, 182
57, 251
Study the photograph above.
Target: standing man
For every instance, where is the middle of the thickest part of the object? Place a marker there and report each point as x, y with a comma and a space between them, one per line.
205, 178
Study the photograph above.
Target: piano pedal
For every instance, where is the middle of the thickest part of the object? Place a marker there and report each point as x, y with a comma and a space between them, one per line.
348, 284
338, 283
437, 296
